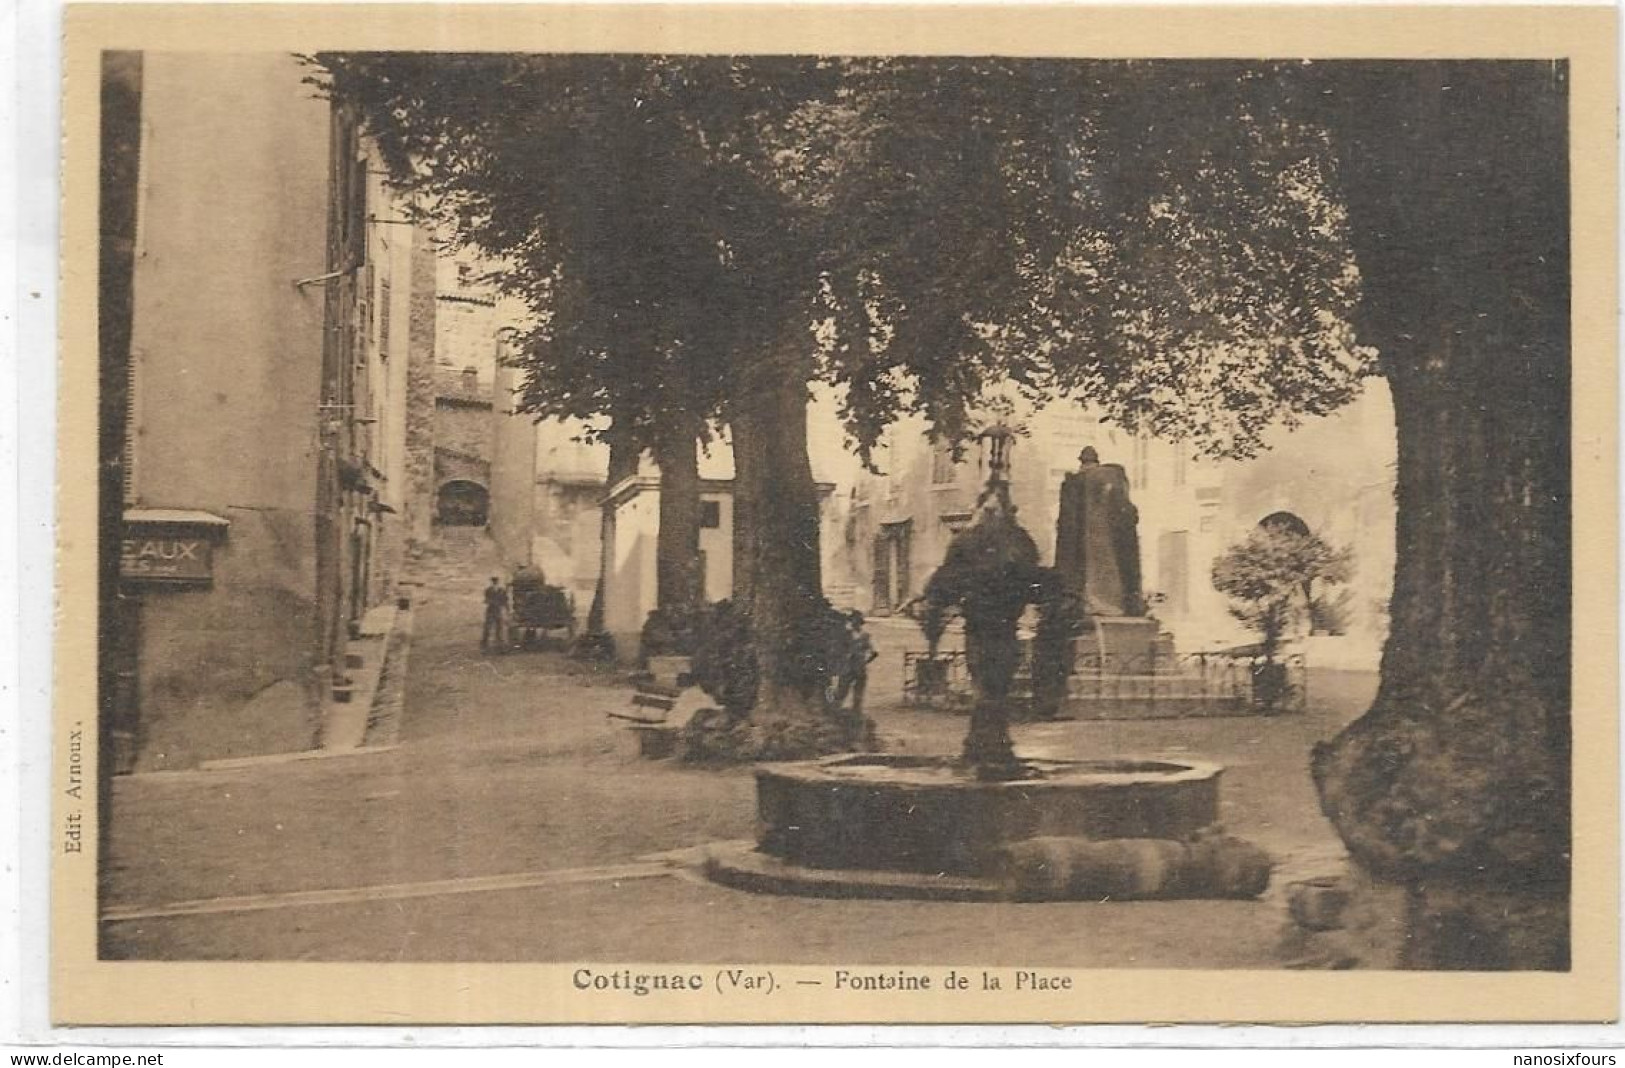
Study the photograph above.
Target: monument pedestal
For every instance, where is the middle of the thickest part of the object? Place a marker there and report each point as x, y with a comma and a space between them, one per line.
1124, 667
1123, 645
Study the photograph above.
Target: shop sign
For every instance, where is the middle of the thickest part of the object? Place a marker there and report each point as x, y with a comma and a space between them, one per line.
169, 546
166, 559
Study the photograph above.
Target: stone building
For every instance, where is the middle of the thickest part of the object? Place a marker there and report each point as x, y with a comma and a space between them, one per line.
467, 316
631, 532
484, 448
262, 444
567, 509
513, 467
389, 340
536, 488
464, 379
422, 388
631, 529
462, 449
1336, 473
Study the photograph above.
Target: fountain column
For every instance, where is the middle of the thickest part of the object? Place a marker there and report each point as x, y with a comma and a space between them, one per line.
990, 575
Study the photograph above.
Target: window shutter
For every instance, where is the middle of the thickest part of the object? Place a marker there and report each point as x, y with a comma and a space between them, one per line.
364, 315
384, 308
132, 424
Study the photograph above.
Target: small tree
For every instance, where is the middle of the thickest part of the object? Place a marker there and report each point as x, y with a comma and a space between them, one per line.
1275, 576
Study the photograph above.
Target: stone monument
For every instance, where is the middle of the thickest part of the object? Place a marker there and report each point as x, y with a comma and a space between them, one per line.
1097, 554
1097, 541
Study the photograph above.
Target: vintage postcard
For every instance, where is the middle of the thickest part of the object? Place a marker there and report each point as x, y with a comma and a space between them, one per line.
811, 514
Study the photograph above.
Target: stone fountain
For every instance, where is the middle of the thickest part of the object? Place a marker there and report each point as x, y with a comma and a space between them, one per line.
987, 824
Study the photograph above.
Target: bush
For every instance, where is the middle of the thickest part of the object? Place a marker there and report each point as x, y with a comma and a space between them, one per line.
668, 632
724, 666
715, 737
725, 658
1275, 576
1329, 613
1272, 688
724, 653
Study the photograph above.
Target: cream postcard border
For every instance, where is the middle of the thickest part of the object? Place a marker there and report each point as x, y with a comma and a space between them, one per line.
87, 991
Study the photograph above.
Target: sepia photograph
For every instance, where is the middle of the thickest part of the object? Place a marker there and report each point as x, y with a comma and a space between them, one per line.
737, 524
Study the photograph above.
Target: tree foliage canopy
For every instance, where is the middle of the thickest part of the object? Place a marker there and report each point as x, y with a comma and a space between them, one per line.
1158, 239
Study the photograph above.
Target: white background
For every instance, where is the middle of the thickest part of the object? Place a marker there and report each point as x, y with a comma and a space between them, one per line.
30, 55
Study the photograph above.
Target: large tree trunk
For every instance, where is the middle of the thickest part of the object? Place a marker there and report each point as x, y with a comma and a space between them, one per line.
677, 550
744, 519
782, 585
1455, 784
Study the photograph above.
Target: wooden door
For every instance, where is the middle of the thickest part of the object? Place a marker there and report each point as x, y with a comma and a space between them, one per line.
882, 572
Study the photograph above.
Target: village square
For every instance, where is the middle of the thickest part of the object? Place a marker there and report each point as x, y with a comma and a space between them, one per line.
1047, 514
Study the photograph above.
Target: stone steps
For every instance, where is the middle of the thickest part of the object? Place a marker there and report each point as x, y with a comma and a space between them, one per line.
458, 558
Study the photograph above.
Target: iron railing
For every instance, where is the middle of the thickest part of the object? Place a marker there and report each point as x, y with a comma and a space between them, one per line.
1196, 684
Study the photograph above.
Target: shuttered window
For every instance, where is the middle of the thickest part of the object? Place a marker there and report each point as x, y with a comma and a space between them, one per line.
132, 426
1141, 474
384, 308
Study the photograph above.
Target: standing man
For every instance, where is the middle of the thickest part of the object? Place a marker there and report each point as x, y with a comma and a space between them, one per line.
862, 654
496, 606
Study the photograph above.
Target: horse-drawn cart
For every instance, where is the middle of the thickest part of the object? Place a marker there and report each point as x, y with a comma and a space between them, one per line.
537, 610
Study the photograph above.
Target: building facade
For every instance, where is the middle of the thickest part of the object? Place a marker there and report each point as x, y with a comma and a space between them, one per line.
462, 449
262, 445
567, 513
1335, 472
485, 448
631, 531
631, 591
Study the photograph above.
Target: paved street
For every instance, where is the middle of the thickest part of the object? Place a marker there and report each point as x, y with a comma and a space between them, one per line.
515, 822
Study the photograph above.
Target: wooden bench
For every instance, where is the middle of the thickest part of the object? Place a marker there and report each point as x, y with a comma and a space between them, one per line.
652, 702
658, 712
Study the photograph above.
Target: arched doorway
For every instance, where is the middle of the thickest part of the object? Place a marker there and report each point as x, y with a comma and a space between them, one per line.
1285, 523
461, 503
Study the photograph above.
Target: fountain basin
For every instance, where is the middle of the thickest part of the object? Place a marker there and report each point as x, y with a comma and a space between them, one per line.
926, 815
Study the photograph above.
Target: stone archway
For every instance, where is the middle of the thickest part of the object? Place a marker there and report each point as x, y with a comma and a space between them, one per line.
462, 503
1285, 522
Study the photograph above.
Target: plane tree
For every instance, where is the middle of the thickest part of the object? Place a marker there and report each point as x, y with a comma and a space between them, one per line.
1194, 251
709, 235
565, 174
1188, 246
1147, 238
1451, 179
1456, 783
